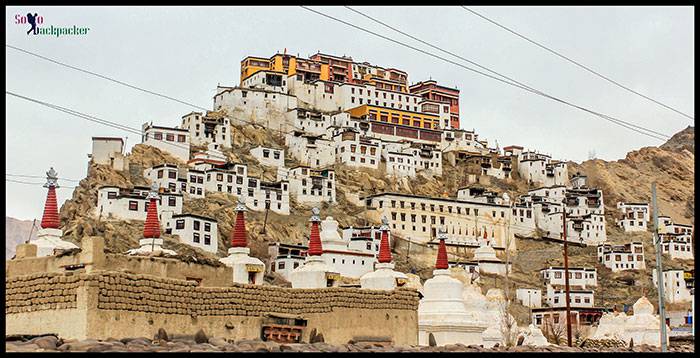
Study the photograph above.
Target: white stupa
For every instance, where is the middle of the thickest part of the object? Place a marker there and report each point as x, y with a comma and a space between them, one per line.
151, 242
246, 269
315, 272
49, 236
383, 277
643, 327
442, 311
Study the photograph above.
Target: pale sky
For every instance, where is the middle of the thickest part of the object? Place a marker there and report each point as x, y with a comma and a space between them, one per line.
185, 52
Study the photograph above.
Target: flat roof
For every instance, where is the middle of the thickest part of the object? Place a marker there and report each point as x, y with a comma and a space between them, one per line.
451, 200
150, 126
109, 138
194, 216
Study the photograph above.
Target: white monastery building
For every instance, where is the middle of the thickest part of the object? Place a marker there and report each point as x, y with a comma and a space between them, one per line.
677, 284
195, 230
529, 297
310, 186
634, 216
174, 141
114, 203
268, 156
212, 128
622, 257
109, 151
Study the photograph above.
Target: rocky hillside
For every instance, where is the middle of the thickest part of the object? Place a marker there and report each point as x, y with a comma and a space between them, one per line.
17, 232
672, 166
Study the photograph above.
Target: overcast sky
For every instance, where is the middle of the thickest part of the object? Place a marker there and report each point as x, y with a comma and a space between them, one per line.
186, 52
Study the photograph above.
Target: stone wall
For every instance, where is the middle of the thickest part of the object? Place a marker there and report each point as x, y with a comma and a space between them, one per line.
117, 304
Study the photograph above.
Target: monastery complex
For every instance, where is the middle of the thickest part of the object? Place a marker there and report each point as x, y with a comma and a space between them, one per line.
332, 110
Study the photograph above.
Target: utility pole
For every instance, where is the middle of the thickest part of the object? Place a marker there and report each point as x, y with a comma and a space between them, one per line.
659, 272
267, 209
31, 230
566, 279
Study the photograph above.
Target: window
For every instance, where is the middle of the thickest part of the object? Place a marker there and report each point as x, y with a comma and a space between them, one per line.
207, 239
207, 227
160, 174
196, 224
133, 205
181, 138
172, 201
169, 137
158, 136
557, 274
280, 265
111, 195
195, 237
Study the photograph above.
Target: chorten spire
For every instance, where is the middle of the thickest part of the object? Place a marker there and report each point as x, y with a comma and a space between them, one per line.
441, 263
315, 248
238, 234
50, 220
384, 249
151, 229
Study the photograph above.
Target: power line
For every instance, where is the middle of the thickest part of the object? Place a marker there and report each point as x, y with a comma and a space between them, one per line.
36, 176
575, 62
631, 126
111, 79
39, 184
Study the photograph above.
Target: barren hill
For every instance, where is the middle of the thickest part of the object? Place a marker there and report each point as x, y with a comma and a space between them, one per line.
16, 232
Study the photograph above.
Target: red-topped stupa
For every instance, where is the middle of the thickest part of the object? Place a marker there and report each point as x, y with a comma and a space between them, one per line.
383, 277
246, 269
315, 272
49, 236
151, 241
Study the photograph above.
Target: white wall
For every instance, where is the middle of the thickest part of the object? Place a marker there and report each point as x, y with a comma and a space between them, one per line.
172, 140
193, 231
583, 277
118, 207
675, 289
268, 156
529, 297
301, 186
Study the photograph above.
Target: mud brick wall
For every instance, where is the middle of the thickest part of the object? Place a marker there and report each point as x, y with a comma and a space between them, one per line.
40, 291
123, 291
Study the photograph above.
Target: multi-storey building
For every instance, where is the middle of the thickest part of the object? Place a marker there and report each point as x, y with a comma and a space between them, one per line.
195, 183
356, 150
209, 128
677, 246
405, 158
261, 106
634, 216
400, 118
622, 257
418, 217
578, 297
313, 150
536, 168
166, 175
447, 97
115, 203
310, 186
174, 141
318, 123
399, 164
261, 193
195, 230
578, 276
677, 284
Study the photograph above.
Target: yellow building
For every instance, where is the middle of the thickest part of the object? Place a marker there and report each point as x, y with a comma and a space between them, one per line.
396, 116
290, 65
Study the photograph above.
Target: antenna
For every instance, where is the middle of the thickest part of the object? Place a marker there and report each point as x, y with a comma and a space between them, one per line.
30, 231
